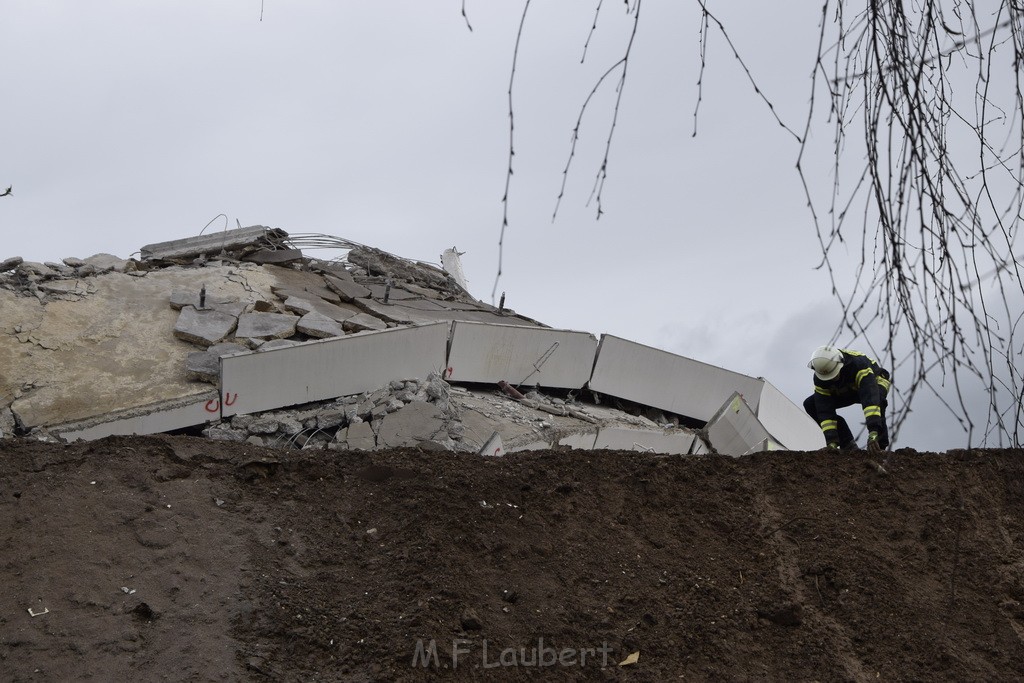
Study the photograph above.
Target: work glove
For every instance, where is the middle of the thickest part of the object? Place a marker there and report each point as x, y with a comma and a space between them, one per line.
873, 445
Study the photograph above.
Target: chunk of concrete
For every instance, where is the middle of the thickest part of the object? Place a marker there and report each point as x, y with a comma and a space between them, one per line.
73, 262
10, 263
411, 425
304, 305
362, 322
107, 262
266, 325
358, 437
347, 289
76, 287
320, 326
204, 327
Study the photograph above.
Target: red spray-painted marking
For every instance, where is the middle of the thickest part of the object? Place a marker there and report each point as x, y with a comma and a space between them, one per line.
212, 406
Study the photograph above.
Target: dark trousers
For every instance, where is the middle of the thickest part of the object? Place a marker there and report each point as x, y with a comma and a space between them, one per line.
845, 435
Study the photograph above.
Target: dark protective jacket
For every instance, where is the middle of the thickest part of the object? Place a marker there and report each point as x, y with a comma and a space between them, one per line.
861, 380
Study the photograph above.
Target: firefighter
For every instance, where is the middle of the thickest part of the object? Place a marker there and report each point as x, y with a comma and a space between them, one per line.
841, 378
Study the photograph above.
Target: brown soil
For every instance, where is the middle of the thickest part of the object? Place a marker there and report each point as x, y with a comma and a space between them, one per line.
174, 558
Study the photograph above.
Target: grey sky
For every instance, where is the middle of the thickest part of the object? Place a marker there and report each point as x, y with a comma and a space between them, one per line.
127, 123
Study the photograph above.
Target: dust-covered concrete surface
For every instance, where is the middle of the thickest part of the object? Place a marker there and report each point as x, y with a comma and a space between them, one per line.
178, 558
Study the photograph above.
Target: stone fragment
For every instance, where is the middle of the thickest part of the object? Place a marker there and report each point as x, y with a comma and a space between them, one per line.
378, 412
415, 423
346, 289
363, 321
318, 325
58, 267
7, 423
263, 426
10, 263
73, 262
330, 418
266, 325
225, 348
204, 327
256, 440
288, 425
358, 437
262, 306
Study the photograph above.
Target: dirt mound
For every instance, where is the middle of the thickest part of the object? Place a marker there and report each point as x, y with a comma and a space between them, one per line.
172, 558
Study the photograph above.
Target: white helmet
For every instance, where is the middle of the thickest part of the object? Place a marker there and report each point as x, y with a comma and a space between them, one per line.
826, 362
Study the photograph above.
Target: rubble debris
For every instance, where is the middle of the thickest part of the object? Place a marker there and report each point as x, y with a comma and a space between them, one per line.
262, 294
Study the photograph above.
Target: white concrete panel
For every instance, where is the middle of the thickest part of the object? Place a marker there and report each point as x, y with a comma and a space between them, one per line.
583, 441
664, 380
329, 368
482, 352
675, 442
155, 418
734, 429
788, 422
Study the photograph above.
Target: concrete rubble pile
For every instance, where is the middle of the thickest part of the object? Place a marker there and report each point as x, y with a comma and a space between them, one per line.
238, 335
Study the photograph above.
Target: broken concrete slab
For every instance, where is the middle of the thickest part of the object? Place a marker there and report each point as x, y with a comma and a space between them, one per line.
214, 243
266, 325
329, 368
363, 322
206, 327
66, 287
787, 422
735, 429
664, 380
413, 424
318, 325
303, 305
346, 289
520, 355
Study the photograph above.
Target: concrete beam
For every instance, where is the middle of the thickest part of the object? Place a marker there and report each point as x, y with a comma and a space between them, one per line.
154, 418
329, 368
488, 353
660, 379
212, 244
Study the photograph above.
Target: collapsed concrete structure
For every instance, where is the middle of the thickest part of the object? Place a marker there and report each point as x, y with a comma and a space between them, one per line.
239, 335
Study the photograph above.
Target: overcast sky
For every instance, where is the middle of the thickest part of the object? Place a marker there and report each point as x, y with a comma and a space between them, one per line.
126, 123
